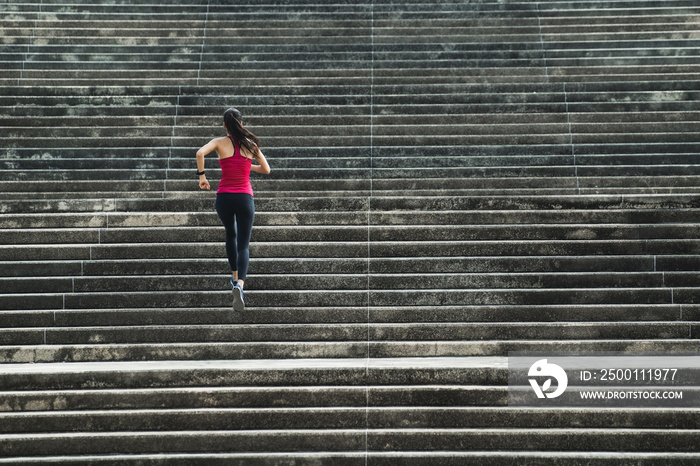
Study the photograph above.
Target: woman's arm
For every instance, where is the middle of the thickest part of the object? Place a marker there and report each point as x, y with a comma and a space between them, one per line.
205, 149
263, 168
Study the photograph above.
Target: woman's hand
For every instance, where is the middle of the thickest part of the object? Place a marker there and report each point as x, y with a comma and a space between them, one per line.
206, 148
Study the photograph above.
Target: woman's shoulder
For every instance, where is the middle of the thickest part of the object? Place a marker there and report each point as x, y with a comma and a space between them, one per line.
223, 146
219, 142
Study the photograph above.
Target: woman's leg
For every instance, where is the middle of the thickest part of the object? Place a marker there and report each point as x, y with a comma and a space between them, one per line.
245, 214
225, 208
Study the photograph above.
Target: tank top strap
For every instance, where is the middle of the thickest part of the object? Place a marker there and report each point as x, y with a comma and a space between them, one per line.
236, 148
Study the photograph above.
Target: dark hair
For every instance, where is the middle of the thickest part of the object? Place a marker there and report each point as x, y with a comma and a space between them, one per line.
233, 121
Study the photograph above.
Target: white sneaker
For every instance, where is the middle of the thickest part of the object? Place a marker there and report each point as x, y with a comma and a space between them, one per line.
238, 298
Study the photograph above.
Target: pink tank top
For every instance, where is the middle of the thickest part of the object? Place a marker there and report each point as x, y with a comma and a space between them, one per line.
235, 173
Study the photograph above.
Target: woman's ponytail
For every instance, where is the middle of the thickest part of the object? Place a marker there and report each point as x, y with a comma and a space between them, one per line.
234, 126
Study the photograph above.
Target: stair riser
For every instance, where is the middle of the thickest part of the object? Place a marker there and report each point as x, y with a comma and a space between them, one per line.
349, 440
339, 418
358, 350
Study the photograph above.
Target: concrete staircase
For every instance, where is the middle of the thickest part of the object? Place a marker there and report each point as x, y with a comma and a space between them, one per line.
450, 182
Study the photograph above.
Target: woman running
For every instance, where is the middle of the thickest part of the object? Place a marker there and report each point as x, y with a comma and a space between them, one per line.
234, 198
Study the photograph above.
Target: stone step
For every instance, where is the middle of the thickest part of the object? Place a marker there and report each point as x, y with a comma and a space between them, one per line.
347, 204
350, 174
468, 281
336, 418
387, 49
483, 281
392, 59
619, 143
193, 64
136, 219
654, 440
602, 131
385, 14
339, 52
621, 53
630, 14
616, 185
181, 136
353, 233
494, 216
325, 315
453, 458
602, 149
575, 91
344, 249
363, 140
202, 398
196, 204
357, 298
270, 266
504, 15
582, 73
401, 210
557, 106
58, 162
237, 17
274, 315
96, 352
124, 133
216, 52
12, 77
213, 50
467, 334
280, 121
335, 96
460, 37
257, 373
303, 177
461, 115
538, 154
257, 77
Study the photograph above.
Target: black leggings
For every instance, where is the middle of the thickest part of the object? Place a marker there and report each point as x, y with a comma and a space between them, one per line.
236, 211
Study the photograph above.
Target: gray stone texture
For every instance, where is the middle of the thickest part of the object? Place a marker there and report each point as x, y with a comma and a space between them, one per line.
450, 181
